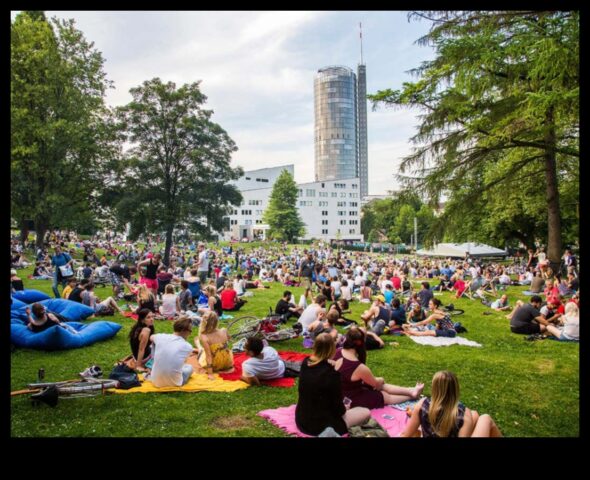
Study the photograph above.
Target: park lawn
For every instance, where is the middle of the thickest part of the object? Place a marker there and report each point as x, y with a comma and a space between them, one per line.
531, 389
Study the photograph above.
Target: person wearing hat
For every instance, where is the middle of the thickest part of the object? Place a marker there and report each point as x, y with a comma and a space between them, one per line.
378, 316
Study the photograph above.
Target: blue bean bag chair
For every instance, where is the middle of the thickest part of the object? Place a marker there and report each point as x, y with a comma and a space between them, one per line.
16, 303
72, 311
59, 338
30, 296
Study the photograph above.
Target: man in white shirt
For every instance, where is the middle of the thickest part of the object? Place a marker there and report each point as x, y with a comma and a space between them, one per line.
170, 353
203, 263
264, 362
313, 312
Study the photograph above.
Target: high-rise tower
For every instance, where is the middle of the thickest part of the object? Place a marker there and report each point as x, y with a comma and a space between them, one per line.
341, 125
362, 156
336, 147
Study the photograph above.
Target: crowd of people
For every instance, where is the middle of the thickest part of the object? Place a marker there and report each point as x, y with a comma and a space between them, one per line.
200, 284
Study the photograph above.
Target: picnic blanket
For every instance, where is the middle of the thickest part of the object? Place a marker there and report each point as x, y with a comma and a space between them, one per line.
239, 358
443, 341
284, 418
130, 315
199, 382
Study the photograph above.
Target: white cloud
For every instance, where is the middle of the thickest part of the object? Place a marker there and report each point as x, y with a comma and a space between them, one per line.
257, 70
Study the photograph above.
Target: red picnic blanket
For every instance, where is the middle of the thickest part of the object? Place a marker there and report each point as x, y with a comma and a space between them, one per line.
239, 358
130, 315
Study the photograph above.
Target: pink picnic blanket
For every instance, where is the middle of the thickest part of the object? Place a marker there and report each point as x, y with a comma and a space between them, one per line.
240, 358
284, 418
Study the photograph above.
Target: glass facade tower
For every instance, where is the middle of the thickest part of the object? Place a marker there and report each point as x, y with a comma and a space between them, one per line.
341, 125
336, 147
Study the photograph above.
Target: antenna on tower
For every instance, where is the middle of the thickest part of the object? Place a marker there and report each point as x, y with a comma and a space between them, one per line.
361, 36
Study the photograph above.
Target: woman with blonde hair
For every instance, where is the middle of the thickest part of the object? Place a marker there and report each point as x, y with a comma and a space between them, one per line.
444, 415
145, 299
320, 405
170, 303
214, 352
569, 331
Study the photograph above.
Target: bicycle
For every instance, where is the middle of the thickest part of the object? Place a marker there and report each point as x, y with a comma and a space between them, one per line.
50, 392
268, 328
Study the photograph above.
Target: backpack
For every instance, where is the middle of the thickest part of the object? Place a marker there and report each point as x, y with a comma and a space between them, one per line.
126, 377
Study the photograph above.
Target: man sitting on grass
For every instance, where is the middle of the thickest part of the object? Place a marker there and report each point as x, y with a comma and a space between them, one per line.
264, 362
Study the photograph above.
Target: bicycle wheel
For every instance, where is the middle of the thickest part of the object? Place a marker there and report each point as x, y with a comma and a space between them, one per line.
86, 389
280, 335
243, 327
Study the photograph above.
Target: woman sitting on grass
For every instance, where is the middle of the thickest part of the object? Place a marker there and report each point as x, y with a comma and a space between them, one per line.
569, 331
139, 340
444, 324
358, 382
105, 307
443, 415
320, 404
170, 307
214, 353
145, 299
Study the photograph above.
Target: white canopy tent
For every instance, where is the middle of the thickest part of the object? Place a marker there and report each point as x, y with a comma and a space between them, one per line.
458, 250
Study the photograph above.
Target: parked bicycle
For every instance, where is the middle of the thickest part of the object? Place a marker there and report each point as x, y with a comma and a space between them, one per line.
269, 328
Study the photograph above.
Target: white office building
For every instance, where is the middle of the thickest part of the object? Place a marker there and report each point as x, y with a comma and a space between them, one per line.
330, 209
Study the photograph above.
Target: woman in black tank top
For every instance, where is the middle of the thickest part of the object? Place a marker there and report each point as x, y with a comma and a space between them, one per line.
139, 338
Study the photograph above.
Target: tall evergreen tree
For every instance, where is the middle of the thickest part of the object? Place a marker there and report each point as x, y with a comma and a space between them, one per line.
281, 214
500, 103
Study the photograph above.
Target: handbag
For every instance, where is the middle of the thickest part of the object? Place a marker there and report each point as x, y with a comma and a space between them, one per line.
66, 271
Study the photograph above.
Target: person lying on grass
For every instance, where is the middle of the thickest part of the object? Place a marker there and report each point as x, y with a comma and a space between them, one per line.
264, 362
443, 414
444, 324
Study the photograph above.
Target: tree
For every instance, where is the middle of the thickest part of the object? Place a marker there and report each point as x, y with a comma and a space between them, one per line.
281, 214
62, 145
501, 98
177, 172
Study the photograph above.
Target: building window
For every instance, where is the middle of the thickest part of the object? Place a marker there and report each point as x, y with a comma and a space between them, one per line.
342, 222
324, 222
341, 213
247, 178
334, 194
301, 192
353, 222
352, 230
248, 222
354, 204
342, 194
353, 195
323, 185
354, 185
323, 204
341, 204
323, 194
324, 213
258, 222
309, 192
324, 231
352, 214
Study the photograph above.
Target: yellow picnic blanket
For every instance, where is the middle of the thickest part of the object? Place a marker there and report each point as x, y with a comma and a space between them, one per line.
199, 382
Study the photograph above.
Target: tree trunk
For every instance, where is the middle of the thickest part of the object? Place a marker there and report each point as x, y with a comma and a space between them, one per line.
552, 194
169, 231
24, 231
40, 229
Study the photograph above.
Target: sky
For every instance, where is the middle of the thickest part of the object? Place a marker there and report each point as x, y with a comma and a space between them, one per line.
257, 71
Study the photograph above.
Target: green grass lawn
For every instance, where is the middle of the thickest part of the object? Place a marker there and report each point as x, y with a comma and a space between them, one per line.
531, 389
